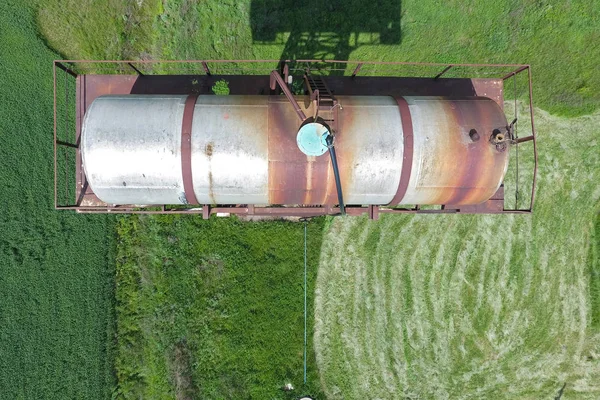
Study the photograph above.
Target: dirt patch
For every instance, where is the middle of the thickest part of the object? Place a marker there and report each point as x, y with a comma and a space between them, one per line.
180, 363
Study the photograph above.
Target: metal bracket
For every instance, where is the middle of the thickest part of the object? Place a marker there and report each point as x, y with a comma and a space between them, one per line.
276, 79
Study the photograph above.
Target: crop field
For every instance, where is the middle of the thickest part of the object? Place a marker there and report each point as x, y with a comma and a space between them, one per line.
56, 269
416, 306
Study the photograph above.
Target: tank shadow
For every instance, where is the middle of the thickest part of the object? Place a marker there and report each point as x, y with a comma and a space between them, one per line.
325, 30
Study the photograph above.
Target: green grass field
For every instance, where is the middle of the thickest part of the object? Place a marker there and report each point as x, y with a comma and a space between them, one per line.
213, 309
561, 40
471, 306
56, 269
421, 306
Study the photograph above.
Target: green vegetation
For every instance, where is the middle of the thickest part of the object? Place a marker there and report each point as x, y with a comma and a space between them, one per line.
471, 306
427, 306
221, 87
213, 309
559, 39
56, 269
98, 30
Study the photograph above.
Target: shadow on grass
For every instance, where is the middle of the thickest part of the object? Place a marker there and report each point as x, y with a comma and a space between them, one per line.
319, 30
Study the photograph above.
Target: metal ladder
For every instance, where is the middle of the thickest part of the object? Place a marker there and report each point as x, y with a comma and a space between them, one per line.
326, 101
326, 98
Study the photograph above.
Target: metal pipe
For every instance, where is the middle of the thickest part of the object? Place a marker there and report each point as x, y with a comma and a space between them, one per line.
55, 161
206, 69
443, 72
305, 262
525, 139
272, 211
522, 68
336, 173
357, 69
135, 69
66, 137
296, 61
64, 68
535, 155
277, 78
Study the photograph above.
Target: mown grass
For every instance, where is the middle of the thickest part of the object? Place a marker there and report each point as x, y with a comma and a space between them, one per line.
594, 270
56, 269
471, 306
559, 39
213, 309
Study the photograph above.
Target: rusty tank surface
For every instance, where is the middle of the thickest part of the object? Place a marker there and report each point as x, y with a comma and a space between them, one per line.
177, 149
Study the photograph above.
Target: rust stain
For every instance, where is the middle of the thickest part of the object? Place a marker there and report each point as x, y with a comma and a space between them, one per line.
208, 150
211, 192
478, 178
317, 169
477, 164
453, 169
294, 178
457, 157
310, 161
490, 161
345, 149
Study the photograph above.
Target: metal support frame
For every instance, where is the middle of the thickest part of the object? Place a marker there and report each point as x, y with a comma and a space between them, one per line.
64, 68
525, 139
57, 142
443, 72
135, 69
515, 72
276, 79
531, 138
357, 69
205, 66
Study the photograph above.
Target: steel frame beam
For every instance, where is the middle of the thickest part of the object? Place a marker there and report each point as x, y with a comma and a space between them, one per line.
207, 210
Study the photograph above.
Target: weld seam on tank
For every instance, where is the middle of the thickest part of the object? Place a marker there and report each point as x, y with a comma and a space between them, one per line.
407, 159
186, 148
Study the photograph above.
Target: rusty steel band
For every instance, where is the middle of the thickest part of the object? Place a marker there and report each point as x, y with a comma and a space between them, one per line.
186, 148
407, 159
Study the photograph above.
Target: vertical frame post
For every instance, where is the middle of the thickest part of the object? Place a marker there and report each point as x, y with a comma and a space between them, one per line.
135, 69
54, 141
206, 70
435, 78
357, 69
535, 155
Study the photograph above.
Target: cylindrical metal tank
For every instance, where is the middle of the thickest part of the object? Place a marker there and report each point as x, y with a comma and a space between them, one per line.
131, 149
453, 160
149, 149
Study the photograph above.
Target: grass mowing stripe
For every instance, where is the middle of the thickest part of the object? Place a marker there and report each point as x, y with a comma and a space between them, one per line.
594, 272
518, 300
